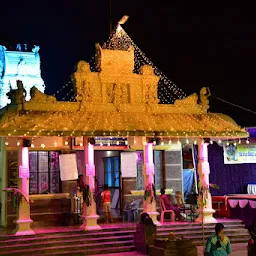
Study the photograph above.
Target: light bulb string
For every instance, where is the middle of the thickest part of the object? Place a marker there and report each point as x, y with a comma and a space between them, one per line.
144, 59
233, 104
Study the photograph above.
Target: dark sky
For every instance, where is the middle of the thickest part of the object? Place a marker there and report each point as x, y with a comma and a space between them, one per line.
194, 43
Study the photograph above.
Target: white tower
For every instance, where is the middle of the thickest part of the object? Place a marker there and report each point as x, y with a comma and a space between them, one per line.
19, 65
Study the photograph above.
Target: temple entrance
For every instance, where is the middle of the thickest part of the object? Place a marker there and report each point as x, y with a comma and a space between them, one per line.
107, 165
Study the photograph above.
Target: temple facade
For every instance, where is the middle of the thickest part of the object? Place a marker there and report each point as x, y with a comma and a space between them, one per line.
116, 112
22, 64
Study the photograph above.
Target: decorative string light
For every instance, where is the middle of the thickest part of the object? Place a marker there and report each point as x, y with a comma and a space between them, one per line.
219, 141
247, 141
43, 145
167, 90
170, 142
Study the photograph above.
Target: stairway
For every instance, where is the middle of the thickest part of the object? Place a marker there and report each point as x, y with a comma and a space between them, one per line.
234, 230
108, 240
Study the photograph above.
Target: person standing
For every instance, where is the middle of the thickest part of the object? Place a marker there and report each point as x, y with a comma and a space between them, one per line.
252, 242
218, 244
106, 203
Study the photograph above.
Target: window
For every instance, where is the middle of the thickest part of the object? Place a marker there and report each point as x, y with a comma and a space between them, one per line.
111, 171
44, 172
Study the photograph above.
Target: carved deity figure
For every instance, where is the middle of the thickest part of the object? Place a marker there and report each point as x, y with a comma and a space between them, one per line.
151, 96
36, 49
204, 95
38, 96
80, 77
18, 95
117, 95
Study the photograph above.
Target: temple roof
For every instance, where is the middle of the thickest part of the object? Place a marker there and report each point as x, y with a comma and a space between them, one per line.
114, 101
107, 122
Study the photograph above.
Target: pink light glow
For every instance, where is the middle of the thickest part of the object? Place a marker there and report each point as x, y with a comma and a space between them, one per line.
90, 154
149, 153
25, 158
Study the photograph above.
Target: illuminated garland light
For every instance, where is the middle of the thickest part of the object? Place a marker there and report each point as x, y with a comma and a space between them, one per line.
168, 92
247, 141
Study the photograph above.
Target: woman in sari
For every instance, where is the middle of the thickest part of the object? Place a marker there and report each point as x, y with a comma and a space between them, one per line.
218, 244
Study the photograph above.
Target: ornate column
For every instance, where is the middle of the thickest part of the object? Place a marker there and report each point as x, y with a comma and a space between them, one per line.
90, 212
3, 182
24, 221
149, 205
205, 211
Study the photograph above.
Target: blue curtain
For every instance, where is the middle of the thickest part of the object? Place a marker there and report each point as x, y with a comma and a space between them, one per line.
231, 178
188, 181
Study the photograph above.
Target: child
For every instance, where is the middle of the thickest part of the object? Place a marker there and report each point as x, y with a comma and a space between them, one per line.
106, 202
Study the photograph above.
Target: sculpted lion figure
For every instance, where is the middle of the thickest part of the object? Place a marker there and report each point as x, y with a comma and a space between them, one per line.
190, 100
38, 96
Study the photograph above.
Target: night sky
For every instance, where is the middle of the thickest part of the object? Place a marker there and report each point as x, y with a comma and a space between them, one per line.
194, 43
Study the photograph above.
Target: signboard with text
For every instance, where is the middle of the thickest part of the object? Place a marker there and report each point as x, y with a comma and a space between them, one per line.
102, 143
239, 153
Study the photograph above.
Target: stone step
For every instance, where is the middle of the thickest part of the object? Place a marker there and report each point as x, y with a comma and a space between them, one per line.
71, 240
198, 227
233, 241
101, 251
228, 232
70, 232
64, 236
54, 250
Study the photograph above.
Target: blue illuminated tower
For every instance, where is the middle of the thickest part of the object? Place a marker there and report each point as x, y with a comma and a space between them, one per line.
20, 64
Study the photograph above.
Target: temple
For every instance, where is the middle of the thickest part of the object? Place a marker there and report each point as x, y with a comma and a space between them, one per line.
19, 64
118, 132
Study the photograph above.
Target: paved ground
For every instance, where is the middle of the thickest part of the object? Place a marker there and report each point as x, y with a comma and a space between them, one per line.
238, 250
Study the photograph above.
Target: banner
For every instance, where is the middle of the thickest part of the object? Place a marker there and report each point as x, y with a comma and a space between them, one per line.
239, 153
102, 143
68, 167
129, 164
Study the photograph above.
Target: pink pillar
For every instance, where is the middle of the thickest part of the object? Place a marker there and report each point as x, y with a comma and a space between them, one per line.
206, 212
148, 206
90, 212
23, 221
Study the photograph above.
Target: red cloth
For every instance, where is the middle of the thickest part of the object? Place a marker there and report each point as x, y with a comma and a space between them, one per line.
224, 208
106, 194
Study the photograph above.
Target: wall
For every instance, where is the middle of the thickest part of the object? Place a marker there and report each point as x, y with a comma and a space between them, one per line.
232, 178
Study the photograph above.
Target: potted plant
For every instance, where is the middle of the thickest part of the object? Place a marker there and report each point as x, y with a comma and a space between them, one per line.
16, 197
